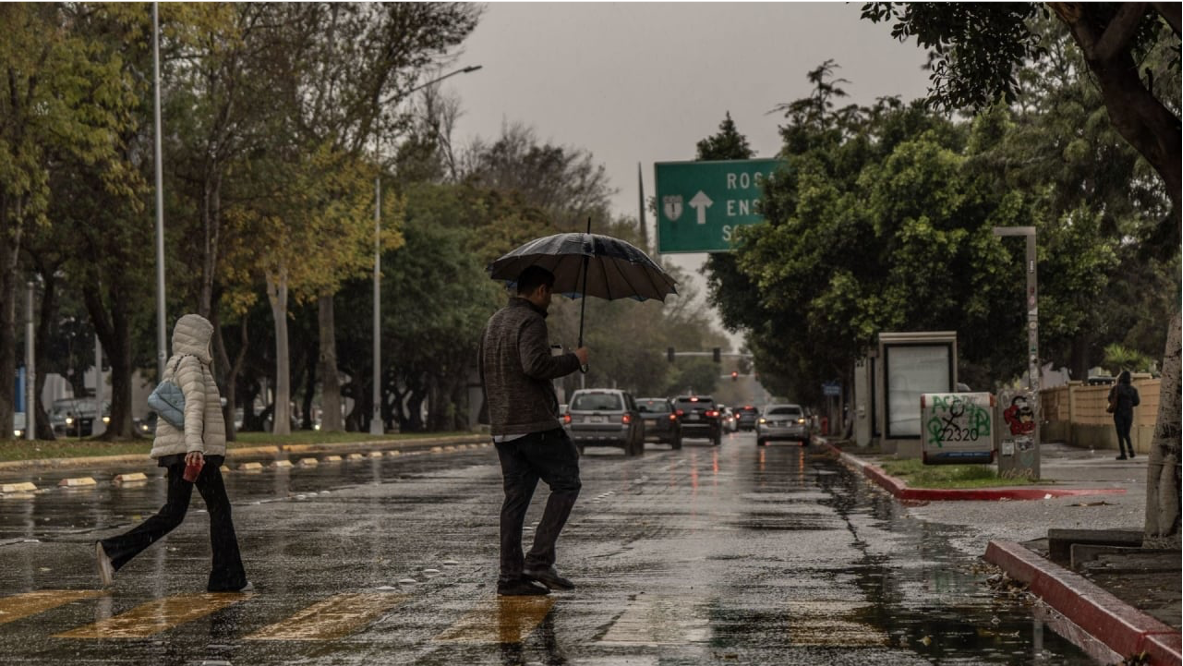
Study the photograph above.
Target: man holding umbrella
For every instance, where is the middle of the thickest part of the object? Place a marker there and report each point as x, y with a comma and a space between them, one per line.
517, 370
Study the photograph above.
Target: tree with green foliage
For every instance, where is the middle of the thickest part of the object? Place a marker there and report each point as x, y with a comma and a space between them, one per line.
976, 51
68, 98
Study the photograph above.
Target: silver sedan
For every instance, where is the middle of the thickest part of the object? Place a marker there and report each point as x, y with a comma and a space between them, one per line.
785, 422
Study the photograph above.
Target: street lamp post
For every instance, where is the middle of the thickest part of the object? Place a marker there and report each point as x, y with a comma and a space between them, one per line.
1015, 459
161, 344
376, 425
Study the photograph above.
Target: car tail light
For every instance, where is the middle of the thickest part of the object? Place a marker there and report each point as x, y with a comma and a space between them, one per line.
763, 420
680, 412
712, 413
694, 400
626, 419
800, 420
566, 418
674, 417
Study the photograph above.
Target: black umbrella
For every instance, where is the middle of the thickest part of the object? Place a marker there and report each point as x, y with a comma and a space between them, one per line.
588, 265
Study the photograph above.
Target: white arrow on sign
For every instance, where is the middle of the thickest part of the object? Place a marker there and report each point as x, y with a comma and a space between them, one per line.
700, 203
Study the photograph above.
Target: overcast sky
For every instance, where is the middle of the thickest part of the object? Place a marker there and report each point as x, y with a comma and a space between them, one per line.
644, 82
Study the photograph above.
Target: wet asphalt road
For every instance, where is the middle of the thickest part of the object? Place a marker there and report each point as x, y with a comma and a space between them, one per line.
708, 555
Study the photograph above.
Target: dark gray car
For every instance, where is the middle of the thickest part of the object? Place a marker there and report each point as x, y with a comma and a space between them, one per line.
605, 417
661, 423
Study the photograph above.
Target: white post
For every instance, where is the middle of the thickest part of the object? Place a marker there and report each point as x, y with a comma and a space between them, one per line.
97, 427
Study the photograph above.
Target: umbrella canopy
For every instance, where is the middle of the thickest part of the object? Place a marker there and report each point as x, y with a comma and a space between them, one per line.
615, 268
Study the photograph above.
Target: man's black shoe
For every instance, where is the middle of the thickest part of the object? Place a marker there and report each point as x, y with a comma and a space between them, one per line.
549, 577
520, 588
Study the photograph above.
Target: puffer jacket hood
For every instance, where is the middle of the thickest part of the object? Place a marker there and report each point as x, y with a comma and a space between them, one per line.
192, 335
189, 368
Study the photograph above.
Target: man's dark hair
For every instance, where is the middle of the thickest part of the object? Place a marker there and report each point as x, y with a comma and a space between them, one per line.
534, 277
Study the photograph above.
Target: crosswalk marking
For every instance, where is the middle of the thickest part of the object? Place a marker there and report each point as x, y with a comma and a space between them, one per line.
31, 603
157, 616
659, 621
334, 617
501, 620
820, 623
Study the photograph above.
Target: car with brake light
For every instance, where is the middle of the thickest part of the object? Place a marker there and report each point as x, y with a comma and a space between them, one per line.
699, 416
745, 417
782, 422
661, 423
605, 417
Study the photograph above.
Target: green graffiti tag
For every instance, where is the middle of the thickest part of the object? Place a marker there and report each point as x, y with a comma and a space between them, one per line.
955, 419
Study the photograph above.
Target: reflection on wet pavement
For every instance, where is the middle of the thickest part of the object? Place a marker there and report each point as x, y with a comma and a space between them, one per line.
735, 554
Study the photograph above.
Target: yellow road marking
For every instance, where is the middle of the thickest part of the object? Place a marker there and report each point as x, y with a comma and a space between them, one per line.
31, 603
660, 621
332, 618
501, 620
157, 616
821, 623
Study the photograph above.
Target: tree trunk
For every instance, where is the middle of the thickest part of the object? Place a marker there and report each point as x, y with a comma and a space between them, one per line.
221, 372
1154, 131
211, 211
232, 382
277, 295
10, 245
49, 307
1162, 472
114, 333
330, 392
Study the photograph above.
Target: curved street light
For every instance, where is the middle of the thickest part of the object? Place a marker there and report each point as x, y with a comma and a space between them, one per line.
376, 425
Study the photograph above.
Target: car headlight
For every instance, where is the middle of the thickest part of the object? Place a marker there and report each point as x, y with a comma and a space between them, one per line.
69, 420
106, 419
18, 434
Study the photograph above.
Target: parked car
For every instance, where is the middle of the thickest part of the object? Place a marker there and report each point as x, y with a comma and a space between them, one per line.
74, 417
605, 417
699, 416
782, 422
661, 423
746, 416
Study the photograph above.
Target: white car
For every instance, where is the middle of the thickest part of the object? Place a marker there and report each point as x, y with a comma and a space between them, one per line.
782, 422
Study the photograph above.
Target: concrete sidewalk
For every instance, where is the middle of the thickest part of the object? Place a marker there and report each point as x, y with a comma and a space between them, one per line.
1126, 601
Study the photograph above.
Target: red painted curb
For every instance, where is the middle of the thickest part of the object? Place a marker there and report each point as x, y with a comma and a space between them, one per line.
900, 489
1125, 629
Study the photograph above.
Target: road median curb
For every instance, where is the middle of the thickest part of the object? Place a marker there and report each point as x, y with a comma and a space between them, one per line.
239, 454
1123, 628
900, 489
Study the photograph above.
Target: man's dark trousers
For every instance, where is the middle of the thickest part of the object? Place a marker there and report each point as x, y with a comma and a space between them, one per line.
552, 457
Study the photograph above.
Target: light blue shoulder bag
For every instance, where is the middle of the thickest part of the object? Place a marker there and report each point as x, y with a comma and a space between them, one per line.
168, 400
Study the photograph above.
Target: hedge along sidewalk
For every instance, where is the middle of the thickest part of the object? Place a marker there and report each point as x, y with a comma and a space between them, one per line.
901, 490
41, 454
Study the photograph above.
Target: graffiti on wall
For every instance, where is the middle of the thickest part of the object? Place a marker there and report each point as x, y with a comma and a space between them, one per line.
956, 417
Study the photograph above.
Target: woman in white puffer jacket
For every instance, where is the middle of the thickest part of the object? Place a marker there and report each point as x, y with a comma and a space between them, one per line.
203, 439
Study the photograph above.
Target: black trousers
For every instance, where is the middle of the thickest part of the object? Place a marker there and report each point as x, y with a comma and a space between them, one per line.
552, 457
227, 574
1123, 424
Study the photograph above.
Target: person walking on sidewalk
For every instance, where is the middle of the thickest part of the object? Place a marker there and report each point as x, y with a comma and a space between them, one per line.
1123, 398
517, 370
201, 442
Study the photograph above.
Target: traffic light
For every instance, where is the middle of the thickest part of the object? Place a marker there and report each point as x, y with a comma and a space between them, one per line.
734, 375
718, 353
669, 354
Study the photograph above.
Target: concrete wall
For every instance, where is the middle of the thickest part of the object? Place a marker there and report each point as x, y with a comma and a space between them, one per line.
1075, 414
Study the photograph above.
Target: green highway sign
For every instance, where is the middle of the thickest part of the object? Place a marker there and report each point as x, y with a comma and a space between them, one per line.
699, 204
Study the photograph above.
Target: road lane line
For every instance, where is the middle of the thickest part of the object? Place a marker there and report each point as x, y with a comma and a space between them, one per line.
31, 603
332, 618
660, 621
157, 616
500, 620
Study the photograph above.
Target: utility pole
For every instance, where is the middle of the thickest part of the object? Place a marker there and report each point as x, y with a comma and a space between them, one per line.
1015, 459
30, 370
